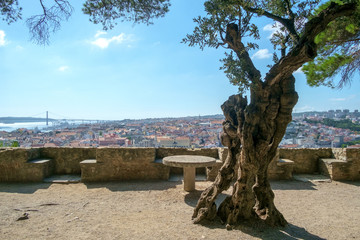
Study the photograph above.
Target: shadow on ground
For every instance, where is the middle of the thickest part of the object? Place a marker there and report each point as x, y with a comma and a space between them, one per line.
262, 231
30, 188
191, 198
290, 232
25, 188
134, 185
259, 229
292, 185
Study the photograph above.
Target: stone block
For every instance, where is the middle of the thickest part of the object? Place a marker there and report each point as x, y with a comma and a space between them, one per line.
353, 157
211, 172
40, 169
14, 167
281, 169
67, 159
125, 155
222, 152
339, 154
90, 170
305, 159
336, 169
123, 164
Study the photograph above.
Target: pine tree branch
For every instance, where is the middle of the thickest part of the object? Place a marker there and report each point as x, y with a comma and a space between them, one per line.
306, 49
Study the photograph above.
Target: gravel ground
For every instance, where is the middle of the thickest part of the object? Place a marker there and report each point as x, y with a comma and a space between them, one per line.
162, 210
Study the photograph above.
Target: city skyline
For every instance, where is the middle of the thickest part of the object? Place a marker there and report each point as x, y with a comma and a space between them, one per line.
55, 117
132, 71
309, 130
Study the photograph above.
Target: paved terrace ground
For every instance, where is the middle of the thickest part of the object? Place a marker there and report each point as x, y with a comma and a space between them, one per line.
162, 210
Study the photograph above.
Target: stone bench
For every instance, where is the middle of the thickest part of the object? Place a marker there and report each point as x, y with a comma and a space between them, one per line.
334, 168
40, 169
89, 170
93, 170
281, 169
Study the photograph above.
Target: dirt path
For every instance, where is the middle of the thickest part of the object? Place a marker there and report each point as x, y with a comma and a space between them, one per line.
162, 210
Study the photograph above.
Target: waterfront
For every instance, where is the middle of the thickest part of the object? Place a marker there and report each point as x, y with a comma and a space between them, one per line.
9, 127
28, 125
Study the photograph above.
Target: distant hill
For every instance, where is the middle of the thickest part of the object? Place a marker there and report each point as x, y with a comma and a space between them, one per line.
308, 113
8, 120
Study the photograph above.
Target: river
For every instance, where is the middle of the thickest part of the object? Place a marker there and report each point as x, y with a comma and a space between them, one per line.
32, 125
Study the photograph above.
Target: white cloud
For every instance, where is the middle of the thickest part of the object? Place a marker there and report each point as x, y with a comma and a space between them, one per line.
273, 28
343, 99
63, 68
99, 33
262, 54
304, 109
337, 99
2, 38
103, 42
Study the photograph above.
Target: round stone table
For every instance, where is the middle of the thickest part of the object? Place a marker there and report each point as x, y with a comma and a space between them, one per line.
189, 163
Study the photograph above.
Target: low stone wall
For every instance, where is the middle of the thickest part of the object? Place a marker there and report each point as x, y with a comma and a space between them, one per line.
353, 157
306, 159
66, 160
128, 164
106, 164
14, 167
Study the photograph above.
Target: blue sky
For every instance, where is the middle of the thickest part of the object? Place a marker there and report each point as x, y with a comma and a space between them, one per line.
132, 71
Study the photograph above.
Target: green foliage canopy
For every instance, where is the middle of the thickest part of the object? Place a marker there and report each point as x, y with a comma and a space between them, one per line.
9, 144
338, 51
107, 12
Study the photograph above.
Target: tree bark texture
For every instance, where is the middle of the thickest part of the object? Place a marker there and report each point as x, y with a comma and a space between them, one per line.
252, 134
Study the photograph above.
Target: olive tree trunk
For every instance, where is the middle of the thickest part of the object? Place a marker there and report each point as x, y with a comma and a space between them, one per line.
253, 131
252, 134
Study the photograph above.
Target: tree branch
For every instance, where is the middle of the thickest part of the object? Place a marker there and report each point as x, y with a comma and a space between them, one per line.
41, 25
43, 7
287, 23
289, 11
233, 39
306, 49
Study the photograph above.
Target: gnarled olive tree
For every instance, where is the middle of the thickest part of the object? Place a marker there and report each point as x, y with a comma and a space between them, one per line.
253, 129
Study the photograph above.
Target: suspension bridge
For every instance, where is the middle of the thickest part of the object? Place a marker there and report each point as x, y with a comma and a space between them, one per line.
58, 118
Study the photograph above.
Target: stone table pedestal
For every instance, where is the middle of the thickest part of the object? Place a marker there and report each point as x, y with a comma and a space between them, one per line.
189, 163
